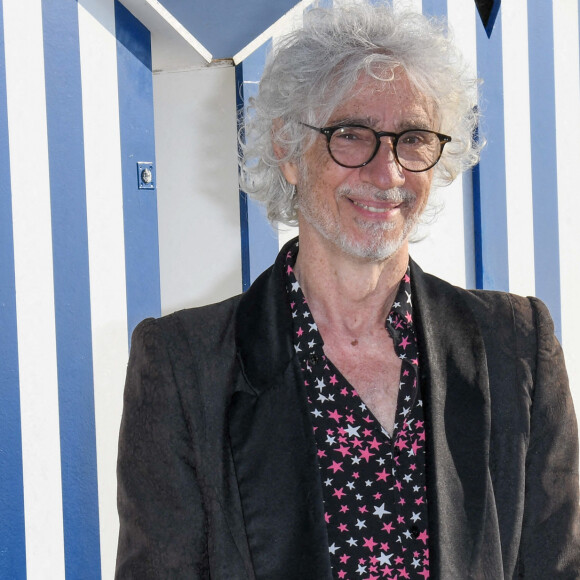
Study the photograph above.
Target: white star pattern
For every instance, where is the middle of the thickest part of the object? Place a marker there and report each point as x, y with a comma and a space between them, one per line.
365, 495
380, 511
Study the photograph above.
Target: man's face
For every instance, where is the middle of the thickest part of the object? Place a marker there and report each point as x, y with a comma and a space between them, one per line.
366, 212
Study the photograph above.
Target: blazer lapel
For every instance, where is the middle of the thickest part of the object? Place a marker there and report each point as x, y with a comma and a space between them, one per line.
462, 519
272, 442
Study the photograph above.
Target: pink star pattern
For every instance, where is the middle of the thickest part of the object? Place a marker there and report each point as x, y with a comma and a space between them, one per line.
373, 482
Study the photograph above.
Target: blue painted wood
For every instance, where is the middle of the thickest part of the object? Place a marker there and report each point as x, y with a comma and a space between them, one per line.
12, 538
137, 144
244, 232
71, 290
437, 8
544, 162
490, 179
225, 27
477, 227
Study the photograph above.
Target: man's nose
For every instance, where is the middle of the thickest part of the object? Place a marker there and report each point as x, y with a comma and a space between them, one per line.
384, 171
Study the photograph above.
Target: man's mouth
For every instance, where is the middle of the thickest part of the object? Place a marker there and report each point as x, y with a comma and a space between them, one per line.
374, 209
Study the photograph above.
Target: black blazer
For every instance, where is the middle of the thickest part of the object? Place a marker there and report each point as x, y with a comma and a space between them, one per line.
215, 434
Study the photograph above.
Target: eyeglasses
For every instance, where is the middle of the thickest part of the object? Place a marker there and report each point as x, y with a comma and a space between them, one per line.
356, 145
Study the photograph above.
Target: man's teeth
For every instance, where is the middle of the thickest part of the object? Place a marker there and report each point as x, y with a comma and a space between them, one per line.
371, 208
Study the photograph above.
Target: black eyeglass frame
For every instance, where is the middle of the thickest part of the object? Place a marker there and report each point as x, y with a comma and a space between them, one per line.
328, 132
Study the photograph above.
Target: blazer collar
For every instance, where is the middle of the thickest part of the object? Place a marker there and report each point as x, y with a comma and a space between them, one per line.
273, 446
264, 328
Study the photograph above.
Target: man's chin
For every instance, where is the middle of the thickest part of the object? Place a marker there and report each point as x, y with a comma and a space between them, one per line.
371, 251
373, 242
377, 244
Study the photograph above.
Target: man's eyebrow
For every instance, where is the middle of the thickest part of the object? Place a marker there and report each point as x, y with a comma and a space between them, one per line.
411, 123
366, 121
416, 124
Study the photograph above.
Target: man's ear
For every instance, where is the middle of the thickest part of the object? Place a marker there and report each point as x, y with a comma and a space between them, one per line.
289, 168
290, 172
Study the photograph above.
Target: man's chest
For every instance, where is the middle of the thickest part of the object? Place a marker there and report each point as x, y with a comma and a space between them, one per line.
373, 368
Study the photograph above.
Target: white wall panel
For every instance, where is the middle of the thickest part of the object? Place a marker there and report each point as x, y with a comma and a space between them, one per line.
567, 81
34, 289
517, 145
198, 204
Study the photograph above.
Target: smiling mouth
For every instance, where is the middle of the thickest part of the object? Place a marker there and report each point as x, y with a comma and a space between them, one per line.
373, 209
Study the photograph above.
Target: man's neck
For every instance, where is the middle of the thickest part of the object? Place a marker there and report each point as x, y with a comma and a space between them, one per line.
347, 294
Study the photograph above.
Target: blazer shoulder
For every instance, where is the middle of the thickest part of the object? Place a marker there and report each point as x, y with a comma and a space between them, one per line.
502, 317
202, 324
491, 307
528, 316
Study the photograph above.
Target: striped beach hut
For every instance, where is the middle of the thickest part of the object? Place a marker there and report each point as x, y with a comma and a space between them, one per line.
119, 201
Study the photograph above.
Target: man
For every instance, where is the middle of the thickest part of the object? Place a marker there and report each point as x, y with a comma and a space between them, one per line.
351, 417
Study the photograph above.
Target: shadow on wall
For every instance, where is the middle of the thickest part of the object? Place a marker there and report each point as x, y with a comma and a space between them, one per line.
197, 178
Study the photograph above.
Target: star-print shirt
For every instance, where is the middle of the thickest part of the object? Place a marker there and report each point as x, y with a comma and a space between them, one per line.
373, 483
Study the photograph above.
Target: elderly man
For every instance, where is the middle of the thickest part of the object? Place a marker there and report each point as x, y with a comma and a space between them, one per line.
349, 416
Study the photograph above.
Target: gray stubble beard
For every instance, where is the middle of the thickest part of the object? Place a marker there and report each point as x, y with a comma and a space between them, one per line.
379, 249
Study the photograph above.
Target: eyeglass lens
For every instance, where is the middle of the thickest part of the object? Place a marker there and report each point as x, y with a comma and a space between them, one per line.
355, 146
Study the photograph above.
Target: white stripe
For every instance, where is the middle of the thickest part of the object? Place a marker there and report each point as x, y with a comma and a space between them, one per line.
518, 161
567, 81
34, 289
106, 249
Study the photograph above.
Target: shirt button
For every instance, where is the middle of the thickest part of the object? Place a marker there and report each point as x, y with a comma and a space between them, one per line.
314, 358
415, 531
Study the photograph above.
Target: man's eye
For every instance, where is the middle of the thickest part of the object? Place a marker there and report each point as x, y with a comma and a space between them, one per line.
347, 135
412, 139
354, 134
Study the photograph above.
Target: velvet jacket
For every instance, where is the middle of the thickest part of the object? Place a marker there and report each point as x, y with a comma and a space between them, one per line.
215, 435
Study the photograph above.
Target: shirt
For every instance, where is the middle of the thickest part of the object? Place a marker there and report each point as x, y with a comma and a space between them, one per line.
373, 482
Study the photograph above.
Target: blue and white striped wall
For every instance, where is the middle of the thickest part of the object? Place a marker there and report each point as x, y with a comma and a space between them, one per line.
78, 269
85, 254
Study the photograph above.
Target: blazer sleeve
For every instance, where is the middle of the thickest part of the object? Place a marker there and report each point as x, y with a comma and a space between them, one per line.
162, 522
550, 543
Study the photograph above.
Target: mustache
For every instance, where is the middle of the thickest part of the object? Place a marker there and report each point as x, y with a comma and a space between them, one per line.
393, 195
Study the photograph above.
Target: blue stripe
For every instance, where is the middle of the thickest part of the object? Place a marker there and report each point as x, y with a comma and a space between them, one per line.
71, 289
137, 144
490, 180
262, 239
244, 234
12, 540
544, 164
477, 227
437, 8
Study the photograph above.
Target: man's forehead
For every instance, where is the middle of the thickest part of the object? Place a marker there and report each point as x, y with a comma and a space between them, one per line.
372, 100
